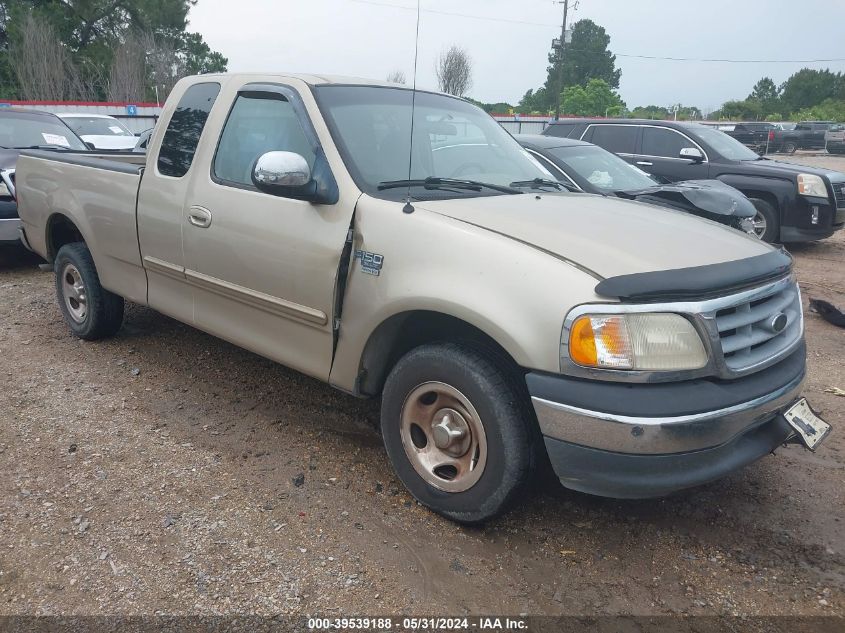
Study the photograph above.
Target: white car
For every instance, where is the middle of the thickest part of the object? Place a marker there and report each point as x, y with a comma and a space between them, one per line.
102, 131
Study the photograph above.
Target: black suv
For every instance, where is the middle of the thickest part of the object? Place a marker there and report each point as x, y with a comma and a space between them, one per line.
794, 203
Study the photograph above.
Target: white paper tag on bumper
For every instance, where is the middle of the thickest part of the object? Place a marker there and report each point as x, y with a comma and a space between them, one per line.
811, 428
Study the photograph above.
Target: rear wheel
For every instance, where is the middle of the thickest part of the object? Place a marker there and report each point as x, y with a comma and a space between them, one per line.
90, 311
766, 222
789, 147
458, 430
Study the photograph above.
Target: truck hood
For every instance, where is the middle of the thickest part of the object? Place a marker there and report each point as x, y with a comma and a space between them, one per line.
607, 236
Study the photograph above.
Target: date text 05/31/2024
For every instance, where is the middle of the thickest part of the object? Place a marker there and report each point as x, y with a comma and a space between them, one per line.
417, 624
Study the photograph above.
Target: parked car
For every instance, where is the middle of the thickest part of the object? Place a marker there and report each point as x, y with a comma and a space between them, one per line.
101, 131
20, 129
143, 141
639, 350
589, 168
794, 203
834, 139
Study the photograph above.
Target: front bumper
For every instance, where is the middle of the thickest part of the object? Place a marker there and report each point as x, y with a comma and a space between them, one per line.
9, 231
653, 439
798, 224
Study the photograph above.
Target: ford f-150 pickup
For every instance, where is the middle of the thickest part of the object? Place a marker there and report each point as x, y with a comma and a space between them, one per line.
400, 244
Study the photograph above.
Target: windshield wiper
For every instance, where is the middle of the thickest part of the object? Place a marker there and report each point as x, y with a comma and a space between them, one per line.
446, 183
537, 183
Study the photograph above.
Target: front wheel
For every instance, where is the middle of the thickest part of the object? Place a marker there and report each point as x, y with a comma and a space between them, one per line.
458, 430
90, 311
766, 222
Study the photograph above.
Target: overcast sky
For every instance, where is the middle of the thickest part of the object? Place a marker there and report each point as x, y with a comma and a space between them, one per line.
370, 38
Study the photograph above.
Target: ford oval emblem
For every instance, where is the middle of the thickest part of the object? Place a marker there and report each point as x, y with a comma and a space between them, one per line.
778, 323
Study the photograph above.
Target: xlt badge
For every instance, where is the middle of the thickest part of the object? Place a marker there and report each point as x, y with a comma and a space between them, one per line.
371, 263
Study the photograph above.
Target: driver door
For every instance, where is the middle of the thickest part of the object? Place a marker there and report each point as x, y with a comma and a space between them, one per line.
660, 155
262, 267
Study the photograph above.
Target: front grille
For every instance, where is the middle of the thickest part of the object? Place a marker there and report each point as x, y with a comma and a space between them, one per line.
747, 332
839, 194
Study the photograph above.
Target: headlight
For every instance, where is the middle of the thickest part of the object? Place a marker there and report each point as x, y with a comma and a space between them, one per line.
649, 342
811, 185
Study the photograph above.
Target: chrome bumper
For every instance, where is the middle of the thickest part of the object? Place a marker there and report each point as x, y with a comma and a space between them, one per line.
663, 435
9, 230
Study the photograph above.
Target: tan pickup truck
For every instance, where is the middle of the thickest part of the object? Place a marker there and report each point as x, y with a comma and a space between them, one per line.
504, 322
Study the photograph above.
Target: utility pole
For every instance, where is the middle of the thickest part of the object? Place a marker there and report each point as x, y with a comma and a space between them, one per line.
560, 53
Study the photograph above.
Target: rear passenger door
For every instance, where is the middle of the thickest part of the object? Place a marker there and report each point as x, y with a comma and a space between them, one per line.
660, 151
161, 200
620, 139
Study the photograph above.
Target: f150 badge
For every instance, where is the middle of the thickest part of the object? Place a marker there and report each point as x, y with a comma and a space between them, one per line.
371, 263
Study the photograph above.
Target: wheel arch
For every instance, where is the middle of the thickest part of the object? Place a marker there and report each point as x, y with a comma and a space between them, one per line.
60, 230
402, 332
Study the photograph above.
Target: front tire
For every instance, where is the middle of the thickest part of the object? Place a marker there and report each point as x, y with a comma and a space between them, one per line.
766, 222
90, 311
459, 431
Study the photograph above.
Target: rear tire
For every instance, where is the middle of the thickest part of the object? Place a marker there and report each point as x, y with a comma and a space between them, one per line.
766, 222
459, 431
789, 147
90, 311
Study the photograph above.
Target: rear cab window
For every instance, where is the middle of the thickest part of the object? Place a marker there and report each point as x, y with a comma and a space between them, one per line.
185, 129
562, 130
618, 139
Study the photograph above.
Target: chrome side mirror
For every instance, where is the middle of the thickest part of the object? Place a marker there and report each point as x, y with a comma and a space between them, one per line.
692, 153
280, 170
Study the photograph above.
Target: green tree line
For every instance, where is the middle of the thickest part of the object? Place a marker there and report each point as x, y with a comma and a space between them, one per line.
98, 49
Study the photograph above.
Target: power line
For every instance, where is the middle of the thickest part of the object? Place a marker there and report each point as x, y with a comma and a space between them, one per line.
626, 55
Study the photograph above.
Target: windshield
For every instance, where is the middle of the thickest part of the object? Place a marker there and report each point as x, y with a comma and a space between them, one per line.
22, 130
452, 139
603, 170
95, 126
727, 146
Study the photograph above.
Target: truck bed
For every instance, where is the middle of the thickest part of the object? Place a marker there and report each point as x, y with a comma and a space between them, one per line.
98, 193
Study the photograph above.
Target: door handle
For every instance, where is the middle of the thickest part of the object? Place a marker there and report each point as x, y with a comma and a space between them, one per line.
199, 217
644, 163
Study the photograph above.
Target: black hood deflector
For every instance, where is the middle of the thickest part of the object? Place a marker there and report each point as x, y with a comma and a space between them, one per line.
700, 282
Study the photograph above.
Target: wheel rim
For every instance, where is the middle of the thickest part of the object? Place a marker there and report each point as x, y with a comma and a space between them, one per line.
760, 224
443, 437
73, 292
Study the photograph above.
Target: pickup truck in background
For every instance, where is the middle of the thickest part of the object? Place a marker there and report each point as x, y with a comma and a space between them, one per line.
795, 203
503, 323
805, 135
834, 139
755, 135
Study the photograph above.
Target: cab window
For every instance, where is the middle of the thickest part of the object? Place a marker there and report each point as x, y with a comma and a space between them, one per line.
258, 123
185, 128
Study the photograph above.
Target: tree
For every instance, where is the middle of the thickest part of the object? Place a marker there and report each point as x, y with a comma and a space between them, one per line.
127, 77
396, 77
767, 94
808, 88
651, 112
594, 99
586, 57
40, 63
93, 34
454, 71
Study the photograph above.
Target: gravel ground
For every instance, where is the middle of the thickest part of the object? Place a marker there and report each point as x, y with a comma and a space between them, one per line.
165, 471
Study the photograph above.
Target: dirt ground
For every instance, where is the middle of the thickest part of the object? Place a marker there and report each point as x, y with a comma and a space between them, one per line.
165, 471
